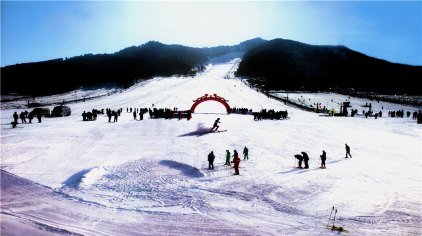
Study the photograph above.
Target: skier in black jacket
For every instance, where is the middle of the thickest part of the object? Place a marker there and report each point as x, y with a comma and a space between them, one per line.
305, 159
211, 158
300, 158
348, 151
323, 158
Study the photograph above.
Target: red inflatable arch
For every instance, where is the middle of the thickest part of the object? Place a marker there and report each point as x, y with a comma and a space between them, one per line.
213, 97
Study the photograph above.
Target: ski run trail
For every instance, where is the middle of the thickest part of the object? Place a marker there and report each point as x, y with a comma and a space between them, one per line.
151, 177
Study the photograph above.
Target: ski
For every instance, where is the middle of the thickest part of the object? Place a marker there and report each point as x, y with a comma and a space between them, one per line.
333, 227
329, 218
339, 229
334, 218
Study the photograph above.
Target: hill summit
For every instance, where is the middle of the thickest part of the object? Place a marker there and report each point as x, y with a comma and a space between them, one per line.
290, 65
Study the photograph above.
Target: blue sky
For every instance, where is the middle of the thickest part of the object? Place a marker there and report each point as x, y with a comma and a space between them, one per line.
42, 30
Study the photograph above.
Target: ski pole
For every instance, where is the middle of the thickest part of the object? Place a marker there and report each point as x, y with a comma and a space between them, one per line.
329, 219
334, 221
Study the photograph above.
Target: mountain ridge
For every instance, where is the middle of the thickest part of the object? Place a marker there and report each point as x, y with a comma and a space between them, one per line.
289, 65
264, 63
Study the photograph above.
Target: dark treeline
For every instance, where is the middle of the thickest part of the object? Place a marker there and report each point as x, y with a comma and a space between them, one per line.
241, 47
120, 69
288, 65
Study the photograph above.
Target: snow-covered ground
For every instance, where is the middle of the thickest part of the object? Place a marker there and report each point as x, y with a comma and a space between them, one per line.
66, 176
334, 101
74, 96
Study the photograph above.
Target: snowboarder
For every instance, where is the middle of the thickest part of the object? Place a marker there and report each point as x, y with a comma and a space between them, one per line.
236, 161
323, 158
245, 153
305, 159
300, 158
211, 158
348, 151
215, 126
228, 155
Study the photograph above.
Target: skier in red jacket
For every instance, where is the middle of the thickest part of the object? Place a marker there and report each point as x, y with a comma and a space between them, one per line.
236, 161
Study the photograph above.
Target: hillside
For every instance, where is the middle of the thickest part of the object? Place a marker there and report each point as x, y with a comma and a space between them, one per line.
120, 69
288, 65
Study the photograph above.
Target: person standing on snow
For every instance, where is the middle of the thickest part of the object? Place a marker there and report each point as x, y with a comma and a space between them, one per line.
245, 153
215, 126
348, 151
323, 158
236, 161
300, 158
228, 155
211, 158
15, 117
23, 118
39, 115
305, 159
134, 114
141, 114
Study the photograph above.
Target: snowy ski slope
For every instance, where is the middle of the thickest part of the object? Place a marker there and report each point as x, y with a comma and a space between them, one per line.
66, 176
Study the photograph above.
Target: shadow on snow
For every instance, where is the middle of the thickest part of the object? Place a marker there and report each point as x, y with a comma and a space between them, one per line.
74, 180
186, 170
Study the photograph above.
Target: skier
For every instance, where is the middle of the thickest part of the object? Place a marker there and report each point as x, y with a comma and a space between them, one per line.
305, 159
245, 153
300, 158
228, 155
211, 158
323, 158
348, 151
236, 161
215, 126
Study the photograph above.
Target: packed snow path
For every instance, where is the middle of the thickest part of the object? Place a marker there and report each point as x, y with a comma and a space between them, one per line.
152, 177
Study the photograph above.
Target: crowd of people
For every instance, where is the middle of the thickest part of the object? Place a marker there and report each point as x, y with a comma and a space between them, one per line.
113, 114
25, 115
91, 116
305, 158
270, 115
235, 160
243, 111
